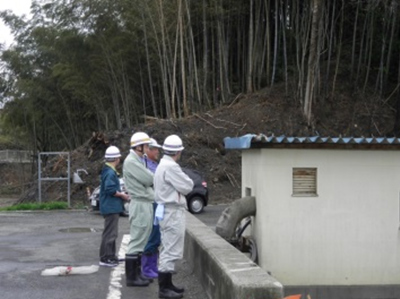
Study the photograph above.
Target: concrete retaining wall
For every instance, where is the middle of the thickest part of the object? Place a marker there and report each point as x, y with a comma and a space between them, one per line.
224, 271
14, 156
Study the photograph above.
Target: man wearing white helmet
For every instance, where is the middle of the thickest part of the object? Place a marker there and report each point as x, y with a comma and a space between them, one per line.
171, 185
111, 205
139, 184
150, 253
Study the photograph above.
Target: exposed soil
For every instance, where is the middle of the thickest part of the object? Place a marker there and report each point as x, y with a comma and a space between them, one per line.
203, 135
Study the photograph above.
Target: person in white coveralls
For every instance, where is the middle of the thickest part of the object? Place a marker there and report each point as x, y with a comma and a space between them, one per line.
171, 185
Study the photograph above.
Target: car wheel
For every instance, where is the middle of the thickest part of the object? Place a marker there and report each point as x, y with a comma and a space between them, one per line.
253, 250
196, 204
126, 210
95, 206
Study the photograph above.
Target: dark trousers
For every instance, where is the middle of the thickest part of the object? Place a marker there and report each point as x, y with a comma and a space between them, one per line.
155, 237
109, 237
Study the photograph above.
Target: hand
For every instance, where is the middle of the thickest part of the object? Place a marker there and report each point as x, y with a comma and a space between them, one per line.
125, 196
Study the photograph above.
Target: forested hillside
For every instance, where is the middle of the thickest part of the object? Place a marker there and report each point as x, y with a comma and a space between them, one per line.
98, 65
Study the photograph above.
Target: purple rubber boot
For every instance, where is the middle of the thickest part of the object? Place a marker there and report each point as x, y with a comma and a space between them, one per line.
147, 267
154, 263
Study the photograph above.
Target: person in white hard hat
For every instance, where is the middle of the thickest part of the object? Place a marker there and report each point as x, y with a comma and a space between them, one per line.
152, 155
111, 205
139, 184
171, 185
150, 253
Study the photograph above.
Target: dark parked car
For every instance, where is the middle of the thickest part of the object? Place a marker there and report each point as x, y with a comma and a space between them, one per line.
94, 199
196, 200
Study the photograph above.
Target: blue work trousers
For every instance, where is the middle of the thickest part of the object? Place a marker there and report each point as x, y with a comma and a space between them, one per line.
155, 238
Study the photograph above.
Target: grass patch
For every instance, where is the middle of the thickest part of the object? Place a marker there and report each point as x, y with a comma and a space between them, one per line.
57, 205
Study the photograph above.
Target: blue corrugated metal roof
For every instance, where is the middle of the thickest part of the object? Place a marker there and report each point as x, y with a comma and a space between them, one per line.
244, 142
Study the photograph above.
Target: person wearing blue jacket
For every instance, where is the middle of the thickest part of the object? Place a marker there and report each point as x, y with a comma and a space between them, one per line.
111, 205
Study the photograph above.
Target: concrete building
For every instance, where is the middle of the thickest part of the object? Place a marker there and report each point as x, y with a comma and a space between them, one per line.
327, 213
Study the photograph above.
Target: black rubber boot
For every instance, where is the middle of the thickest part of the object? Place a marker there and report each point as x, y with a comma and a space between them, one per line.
132, 272
164, 290
172, 286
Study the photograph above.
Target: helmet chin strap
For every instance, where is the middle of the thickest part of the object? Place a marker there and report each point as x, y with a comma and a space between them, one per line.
139, 149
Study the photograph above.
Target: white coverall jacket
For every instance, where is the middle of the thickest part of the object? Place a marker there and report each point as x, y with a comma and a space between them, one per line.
138, 182
171, 185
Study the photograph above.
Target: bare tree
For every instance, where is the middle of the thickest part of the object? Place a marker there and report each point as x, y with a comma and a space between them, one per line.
312, 62
250, 50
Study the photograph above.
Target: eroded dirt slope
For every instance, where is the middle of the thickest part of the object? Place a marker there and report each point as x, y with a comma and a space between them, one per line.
203, 135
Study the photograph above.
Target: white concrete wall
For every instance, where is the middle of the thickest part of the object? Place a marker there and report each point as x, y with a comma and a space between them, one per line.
347, 235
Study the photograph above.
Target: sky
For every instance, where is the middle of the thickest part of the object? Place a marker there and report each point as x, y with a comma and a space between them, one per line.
19, 7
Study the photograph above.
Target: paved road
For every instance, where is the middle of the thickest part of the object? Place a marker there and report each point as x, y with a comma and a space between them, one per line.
211, 215
33, 241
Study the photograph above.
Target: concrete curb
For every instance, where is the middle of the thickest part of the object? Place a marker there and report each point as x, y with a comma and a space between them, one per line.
46, 211
224, 271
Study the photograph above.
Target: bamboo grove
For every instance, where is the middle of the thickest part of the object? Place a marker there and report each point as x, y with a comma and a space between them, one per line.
79, 66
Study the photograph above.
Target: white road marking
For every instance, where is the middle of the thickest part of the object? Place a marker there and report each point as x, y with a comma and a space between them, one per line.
114, 290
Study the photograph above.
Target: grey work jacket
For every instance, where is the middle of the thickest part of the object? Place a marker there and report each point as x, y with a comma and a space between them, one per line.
171, 184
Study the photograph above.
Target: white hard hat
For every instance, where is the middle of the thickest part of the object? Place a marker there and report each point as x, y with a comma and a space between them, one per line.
112, 152
172, 144
153, 143
139, 138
